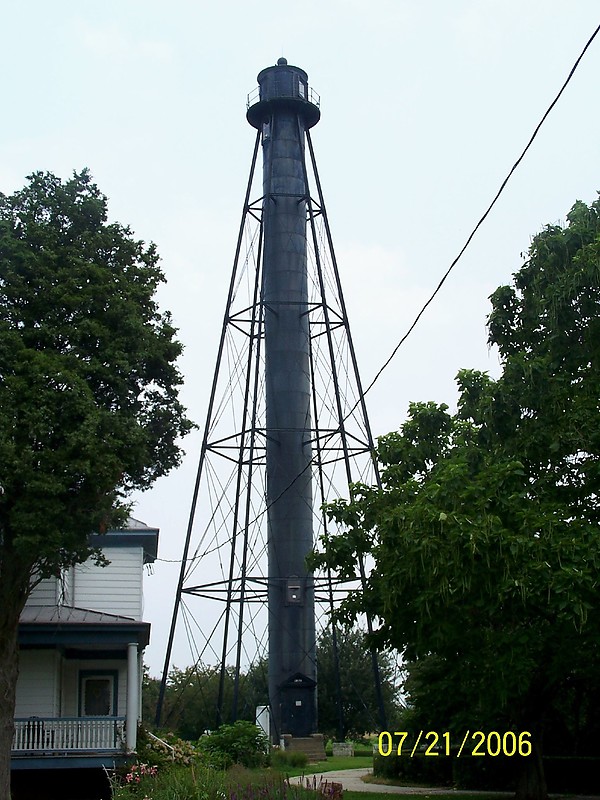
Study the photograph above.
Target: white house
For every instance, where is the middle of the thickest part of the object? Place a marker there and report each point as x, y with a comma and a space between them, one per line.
81, 640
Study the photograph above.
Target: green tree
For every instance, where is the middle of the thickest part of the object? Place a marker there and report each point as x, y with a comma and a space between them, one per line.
351, 678
89, 406
192, 697
253, 689
191, 700
485, 532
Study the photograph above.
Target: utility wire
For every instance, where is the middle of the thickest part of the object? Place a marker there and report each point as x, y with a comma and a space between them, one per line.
454, 263
481, 221
444, 277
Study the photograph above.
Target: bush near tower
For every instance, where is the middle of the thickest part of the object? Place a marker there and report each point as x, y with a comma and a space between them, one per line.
89, 407
485, 534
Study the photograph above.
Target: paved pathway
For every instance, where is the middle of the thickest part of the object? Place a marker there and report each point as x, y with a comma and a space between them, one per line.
351, 779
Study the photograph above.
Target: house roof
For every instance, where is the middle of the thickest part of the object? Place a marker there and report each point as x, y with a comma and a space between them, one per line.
135, 533
71, 626
69, 615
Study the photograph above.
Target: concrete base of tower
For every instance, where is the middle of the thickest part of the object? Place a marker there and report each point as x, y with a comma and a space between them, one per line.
313, 746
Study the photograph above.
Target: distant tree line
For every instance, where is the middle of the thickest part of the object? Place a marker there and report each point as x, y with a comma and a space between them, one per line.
191, 697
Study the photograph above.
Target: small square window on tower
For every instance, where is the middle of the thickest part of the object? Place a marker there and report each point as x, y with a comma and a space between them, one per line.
294, 593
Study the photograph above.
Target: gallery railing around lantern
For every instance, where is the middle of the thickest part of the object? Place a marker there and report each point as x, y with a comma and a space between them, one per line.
298, 91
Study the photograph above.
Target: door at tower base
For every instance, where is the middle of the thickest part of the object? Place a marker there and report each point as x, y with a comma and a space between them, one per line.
298, 695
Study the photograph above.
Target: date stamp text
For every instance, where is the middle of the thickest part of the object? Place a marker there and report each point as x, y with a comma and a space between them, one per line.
473, 743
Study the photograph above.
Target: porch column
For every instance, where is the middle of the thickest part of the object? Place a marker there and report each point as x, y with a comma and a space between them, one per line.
133, 690
140, 682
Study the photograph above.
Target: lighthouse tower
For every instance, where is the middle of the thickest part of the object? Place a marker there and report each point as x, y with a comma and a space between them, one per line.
282, 115
286, 431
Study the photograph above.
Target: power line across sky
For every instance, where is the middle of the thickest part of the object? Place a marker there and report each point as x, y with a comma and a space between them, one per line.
430, 299
424, 105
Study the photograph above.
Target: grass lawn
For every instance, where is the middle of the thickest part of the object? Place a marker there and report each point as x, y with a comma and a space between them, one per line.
330, 764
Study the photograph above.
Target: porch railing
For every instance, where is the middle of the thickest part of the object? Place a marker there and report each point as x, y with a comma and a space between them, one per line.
68, 734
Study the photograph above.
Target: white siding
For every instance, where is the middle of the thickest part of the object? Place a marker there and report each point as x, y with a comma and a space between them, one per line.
66, 587
114, 589
46, 593
38, 687
71, 683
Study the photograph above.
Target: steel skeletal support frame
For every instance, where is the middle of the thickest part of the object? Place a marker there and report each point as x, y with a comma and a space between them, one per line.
227, 538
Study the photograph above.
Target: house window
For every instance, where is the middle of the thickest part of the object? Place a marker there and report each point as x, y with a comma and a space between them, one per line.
98, 696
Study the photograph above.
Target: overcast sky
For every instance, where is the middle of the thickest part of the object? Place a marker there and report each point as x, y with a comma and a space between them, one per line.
426, 104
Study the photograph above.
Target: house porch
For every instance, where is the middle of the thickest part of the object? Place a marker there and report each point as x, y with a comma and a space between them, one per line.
78, 699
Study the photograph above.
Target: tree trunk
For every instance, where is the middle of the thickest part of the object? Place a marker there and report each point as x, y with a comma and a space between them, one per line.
14, 590
9, 671
531, 781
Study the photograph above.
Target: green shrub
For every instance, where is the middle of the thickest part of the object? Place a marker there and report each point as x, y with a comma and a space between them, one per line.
196, 782
572, 774
165, 751
280, 759
297, 759
264, 787
176, 783
240, 743
494, 774
420, 769
563, 774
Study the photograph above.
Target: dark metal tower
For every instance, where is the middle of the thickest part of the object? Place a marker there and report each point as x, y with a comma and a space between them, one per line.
286, 429
283, 114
